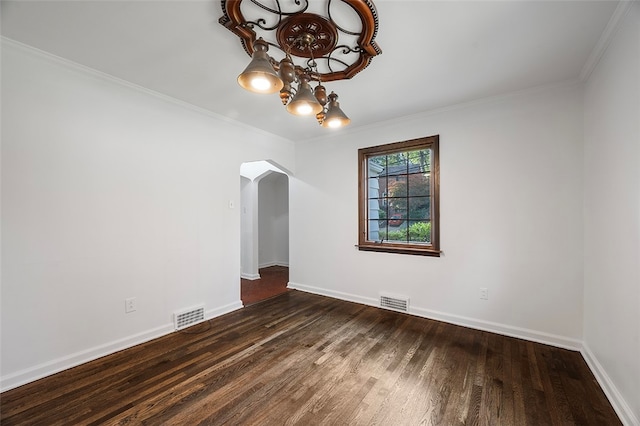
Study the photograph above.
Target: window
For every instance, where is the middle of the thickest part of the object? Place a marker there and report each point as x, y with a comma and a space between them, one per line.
399, 197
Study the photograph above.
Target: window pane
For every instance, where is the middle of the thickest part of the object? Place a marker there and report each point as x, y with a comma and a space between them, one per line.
374, 209
418, 184
419, 161
397, 216
382, 186
383, 211
376, 165
397, 185
373, 189
397, 163
419, 208
374, 231
395, 234
420, 231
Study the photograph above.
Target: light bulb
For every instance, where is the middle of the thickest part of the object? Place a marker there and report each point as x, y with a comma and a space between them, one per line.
304, 109
334, 124
260, 83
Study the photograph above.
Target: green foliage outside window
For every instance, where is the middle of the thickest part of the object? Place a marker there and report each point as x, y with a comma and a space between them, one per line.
418, 232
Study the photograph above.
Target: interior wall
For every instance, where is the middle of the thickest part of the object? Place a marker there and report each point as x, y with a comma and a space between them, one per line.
248, 224
273, 222
612, 218
109, 193
511, 217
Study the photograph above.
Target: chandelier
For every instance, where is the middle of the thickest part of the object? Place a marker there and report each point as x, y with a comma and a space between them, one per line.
314, 45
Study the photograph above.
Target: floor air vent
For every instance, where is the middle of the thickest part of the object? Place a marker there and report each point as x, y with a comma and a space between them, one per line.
188, 317
397, 303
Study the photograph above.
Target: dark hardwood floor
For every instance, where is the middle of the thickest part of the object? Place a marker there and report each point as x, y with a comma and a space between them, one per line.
304, 359
273, 281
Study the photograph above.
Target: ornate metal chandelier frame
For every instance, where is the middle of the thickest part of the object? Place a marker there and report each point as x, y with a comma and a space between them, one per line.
293, 28
318, 40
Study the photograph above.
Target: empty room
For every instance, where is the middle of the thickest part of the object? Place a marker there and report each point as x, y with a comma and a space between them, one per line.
340, 212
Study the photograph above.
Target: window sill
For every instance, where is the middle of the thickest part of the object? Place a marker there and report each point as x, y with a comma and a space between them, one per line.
387, 248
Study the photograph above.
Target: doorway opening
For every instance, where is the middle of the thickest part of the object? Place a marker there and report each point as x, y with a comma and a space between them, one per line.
272, 282
264, 226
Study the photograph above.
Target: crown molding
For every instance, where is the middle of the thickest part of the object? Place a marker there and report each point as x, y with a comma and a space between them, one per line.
605, 39
75, 66
503, 97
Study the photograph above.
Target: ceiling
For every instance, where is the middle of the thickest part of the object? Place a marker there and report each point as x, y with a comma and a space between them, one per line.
435, 53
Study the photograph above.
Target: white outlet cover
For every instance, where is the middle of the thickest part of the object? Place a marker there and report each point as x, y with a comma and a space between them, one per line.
130, 305
484, 293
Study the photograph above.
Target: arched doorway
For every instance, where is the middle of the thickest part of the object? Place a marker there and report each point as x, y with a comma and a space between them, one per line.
264, 230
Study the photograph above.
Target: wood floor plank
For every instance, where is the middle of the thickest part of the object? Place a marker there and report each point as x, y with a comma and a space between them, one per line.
305, 359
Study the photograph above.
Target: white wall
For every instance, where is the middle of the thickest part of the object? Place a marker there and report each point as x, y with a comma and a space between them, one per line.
248, 229
273, 205
612, 219
109, 192
511, 218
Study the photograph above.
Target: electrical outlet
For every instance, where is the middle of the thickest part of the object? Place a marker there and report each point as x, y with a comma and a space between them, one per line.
130, 305
484, 293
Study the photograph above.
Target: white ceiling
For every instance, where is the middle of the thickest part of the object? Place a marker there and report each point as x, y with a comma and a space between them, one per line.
435, 53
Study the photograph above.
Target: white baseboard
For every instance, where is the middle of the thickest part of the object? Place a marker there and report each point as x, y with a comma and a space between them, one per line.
250, 277
276, 263
28, 375
213, 313
619, 404
335, 294
45, 369
253, 277
503, 329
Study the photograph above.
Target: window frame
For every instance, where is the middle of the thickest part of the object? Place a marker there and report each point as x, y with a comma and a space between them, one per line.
433, 249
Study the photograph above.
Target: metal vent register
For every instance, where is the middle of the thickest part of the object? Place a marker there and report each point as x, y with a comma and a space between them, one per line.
397, 303
188, 317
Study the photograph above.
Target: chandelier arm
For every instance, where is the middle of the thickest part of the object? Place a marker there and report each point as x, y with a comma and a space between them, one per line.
347, 49
277, 46
259, 23
314, 76
312, 65
329, 59
279, 11
311, 62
